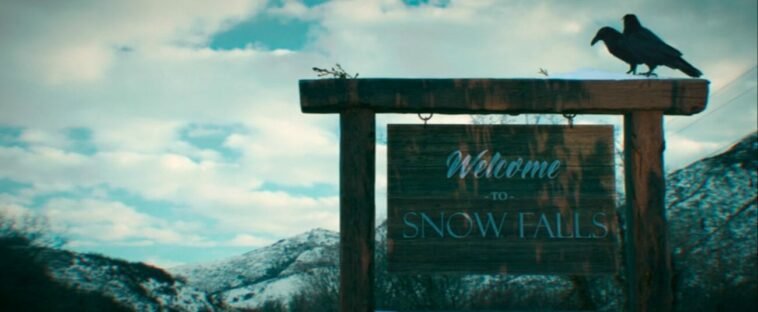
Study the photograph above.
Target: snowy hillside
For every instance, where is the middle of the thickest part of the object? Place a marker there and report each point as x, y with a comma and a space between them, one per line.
714, 228
64, 280
135, 285
273, 273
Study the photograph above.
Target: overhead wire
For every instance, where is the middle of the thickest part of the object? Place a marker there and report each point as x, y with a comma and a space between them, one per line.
722, 147
720, 90
727, 103
701, 117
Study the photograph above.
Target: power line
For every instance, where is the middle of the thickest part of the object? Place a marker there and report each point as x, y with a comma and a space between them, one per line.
735, 79
722, 147
713, 152
673, 120
701, 117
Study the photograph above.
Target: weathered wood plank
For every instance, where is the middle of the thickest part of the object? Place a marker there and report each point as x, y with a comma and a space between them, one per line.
648, 258
499, 96
559, 224
513, 258
357, 166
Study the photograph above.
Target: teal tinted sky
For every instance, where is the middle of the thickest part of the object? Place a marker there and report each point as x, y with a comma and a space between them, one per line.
170, 131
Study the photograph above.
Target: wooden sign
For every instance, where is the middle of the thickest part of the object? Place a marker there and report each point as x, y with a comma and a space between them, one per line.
642, 102
501, 199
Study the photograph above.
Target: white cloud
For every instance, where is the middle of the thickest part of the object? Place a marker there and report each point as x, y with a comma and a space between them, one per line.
466, 40
137, 134
276, 213
226, 193
288, 151
113, 222
680, 150
163, 176
66, 42
163, 263
291, 9
10, 209
247, 240
201, 132
85, 62
44, 137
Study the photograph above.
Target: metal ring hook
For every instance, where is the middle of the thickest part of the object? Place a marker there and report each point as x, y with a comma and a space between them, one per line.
425, 119
570, 118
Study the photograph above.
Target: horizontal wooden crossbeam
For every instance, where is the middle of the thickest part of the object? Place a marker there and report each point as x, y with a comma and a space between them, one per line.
504, 96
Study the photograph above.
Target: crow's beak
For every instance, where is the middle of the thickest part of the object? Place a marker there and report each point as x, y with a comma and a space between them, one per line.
594, 40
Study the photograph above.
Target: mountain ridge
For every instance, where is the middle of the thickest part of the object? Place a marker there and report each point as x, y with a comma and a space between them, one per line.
268, 273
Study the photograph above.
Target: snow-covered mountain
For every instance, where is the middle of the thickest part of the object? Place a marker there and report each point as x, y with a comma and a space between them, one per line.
274, 273
135, 285
40, 278
713, 217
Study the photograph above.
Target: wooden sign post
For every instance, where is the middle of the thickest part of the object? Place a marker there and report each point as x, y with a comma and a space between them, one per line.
642, 102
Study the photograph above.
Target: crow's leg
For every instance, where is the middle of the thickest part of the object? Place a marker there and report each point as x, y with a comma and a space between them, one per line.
632, 69
650, 71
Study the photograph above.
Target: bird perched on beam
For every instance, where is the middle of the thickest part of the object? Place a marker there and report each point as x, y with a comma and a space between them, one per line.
616, 44
651, 50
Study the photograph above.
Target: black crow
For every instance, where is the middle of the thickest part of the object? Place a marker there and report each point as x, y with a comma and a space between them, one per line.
616, 44
652, 51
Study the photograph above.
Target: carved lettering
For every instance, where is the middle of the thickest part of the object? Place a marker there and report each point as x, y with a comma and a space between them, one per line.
481, 166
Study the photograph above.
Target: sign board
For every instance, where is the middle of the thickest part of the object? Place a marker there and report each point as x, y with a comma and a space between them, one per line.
514, 199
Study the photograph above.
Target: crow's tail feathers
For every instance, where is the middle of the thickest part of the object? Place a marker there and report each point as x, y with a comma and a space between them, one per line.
686, 68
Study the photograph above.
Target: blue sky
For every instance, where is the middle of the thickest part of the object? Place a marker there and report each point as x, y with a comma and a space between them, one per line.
170, 132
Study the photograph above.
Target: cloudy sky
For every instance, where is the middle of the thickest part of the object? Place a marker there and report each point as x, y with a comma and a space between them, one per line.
170, 131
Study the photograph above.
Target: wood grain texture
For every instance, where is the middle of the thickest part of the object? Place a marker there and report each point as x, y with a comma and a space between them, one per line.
648, 258
418, 184
357, 174
499, 96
